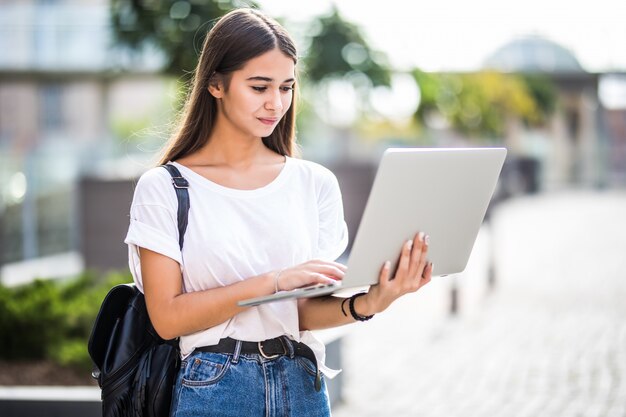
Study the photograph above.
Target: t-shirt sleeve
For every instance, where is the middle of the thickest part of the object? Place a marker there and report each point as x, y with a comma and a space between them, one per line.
333, 230
153, 222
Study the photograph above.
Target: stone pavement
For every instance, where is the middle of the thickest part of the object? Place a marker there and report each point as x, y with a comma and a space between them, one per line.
549, 340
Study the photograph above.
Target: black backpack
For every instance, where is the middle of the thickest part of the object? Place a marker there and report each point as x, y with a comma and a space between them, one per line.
135, 368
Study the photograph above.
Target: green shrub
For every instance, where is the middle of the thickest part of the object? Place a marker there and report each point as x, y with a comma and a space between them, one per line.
31, 319
71, 352
52, 319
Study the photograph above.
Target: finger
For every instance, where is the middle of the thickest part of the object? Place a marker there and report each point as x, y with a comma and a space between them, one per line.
422, 258
416, 253
331, 271
329, 263
341, 266
321, 279
403, 264
385, 273
427, 275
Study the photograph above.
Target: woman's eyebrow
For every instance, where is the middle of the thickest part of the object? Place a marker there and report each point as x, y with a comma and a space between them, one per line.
267, 79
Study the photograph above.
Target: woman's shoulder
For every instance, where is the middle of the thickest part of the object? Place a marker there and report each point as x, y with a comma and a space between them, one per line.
320, 178
154, 186
154, 177
315, 170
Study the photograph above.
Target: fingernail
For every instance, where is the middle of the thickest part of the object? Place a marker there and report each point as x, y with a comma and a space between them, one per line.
409, 244
387, 265
420, 236
427, 239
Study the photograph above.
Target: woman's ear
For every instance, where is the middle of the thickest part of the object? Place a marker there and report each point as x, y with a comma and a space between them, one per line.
216, 85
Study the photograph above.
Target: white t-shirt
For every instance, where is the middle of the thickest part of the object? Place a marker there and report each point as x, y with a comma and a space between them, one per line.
236, 234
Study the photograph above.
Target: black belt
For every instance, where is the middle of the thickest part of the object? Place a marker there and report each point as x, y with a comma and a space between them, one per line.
269, 349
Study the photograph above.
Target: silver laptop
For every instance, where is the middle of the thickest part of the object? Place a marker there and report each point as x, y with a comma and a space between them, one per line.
442, 192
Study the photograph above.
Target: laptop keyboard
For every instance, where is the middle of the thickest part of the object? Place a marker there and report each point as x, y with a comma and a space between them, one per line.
317, 286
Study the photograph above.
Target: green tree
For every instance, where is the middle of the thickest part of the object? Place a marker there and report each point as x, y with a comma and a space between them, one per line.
543, 91
429, 85
339, 72
172, 26
338, 49
480, 104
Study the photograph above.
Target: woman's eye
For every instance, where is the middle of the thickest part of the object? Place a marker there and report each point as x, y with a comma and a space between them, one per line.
261, 89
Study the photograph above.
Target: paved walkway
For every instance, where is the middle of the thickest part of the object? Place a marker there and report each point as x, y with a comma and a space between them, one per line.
550, 340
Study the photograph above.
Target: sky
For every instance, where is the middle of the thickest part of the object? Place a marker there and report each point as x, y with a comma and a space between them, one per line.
459, 35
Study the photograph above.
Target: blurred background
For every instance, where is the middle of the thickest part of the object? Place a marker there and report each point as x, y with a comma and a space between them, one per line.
89, 91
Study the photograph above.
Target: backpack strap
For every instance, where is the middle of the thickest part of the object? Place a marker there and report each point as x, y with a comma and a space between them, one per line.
181, 186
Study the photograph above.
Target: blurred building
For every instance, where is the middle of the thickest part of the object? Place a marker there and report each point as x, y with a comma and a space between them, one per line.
613, 99
584, 143
66, 94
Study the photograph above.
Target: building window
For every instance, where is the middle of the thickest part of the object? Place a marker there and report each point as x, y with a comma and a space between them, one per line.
51, 108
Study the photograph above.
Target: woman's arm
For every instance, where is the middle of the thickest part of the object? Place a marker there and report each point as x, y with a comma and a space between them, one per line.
174, 313
412, 274
325, 312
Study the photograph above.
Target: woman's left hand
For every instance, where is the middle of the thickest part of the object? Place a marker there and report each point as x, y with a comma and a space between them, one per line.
413, 273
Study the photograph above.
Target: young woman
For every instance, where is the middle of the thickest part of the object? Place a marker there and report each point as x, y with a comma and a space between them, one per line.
260, 221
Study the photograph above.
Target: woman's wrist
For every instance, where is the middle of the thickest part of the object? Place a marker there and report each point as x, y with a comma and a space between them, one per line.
277, 280
268, 280
364, 307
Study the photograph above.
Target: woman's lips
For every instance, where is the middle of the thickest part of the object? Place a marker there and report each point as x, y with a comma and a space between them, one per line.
267, 121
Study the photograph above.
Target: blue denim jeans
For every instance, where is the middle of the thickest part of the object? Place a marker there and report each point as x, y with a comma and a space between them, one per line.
219, 384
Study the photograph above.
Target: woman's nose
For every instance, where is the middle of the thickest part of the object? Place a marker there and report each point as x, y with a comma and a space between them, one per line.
274, 101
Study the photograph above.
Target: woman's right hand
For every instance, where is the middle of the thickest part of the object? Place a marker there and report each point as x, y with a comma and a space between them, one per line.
312, 272
413, 272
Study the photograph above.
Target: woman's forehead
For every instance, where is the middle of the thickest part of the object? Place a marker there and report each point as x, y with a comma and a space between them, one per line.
273, 66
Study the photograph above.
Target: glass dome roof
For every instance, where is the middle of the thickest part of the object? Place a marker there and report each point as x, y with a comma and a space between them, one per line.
533, 54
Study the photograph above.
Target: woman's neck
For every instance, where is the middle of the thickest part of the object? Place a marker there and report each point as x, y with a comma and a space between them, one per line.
232, 152
232, 148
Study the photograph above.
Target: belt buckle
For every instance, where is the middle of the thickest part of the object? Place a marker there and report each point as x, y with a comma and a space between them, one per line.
266, 356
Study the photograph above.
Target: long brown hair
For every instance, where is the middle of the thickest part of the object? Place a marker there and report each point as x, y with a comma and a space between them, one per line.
237, 37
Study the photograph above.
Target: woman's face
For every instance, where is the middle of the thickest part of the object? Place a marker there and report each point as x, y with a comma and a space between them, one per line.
258, 95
